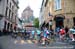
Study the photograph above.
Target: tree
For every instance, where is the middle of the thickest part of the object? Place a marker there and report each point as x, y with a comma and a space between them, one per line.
36, 22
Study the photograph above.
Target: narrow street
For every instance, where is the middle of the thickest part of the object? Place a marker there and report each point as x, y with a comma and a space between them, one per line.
37, 24
7, 42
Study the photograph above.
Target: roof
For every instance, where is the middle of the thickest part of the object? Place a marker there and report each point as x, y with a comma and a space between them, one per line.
27, 8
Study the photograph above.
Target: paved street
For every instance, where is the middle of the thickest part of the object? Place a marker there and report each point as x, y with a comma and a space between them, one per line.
7, 42
37, 24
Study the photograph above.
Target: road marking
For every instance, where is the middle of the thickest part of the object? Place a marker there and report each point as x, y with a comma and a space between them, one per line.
58, 47
22, 42
29, 41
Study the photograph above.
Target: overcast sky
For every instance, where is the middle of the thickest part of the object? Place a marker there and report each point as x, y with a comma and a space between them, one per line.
34, 4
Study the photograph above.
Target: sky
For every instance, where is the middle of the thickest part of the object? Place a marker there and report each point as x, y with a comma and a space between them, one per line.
35, 5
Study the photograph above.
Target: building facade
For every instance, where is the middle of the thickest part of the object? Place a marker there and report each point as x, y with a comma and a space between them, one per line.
8, 13
45, 14
63, 12
27, 17
42, 10
19, 24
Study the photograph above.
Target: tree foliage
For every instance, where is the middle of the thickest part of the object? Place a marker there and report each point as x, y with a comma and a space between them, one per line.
36, 22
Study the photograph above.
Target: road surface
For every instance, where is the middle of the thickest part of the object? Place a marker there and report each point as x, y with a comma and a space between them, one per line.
7, 42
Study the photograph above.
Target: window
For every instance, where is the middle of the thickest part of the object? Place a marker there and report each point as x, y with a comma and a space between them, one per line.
9, 13
10, 4
5, 25
57, 4
12, 16
6, 12
7, 1
12, 8
46, 3
8, 26
11, 27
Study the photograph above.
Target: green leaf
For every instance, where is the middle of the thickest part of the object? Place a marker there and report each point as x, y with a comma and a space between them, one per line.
36, 22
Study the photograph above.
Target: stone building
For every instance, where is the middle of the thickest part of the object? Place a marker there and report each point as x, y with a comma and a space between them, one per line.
27, 17
8, 13
42, 10
19, 24
45, 14
63, 12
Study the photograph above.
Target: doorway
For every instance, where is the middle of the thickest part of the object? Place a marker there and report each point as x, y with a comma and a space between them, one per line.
59, 22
